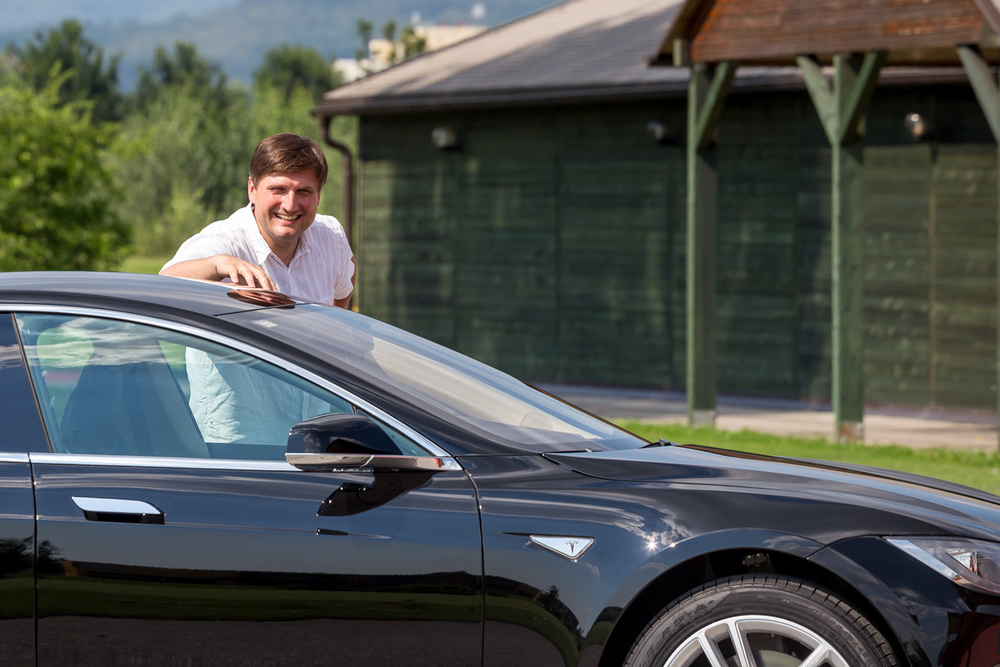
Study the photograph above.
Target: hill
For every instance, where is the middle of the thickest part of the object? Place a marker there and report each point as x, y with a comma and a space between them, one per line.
235, 34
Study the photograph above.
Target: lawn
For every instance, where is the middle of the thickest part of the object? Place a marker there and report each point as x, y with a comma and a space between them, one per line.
977, 469
143, 264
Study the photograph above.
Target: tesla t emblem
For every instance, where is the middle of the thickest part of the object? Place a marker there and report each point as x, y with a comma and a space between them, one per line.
567, 547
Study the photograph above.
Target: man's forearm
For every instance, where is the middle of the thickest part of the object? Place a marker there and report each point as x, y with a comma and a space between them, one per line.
220, 267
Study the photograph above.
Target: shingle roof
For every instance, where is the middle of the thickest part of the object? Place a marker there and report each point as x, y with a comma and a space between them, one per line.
579, 50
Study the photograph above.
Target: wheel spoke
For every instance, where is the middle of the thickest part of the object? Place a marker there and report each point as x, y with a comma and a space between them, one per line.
707, 643
824, 655
710, 649
741, 642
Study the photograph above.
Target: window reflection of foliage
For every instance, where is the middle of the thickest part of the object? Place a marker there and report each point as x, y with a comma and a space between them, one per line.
49, 561
15, 555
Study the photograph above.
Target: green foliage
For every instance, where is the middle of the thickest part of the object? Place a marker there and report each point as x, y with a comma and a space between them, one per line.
289, 68
183, 69
56, 190
183, 164
389, 30
408, 45
365, 29
979, 470
413, 44
65, 49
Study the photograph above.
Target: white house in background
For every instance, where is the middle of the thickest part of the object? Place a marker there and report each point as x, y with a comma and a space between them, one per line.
435, 37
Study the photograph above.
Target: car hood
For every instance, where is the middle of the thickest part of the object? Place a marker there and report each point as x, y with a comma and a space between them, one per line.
942, 507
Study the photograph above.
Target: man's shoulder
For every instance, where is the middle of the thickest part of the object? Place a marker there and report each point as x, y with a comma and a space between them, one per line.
241, 220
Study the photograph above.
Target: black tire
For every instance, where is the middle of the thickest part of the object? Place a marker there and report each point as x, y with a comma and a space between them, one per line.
779, 621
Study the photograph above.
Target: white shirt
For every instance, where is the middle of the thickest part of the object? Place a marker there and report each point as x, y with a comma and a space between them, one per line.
320, 271
233, 402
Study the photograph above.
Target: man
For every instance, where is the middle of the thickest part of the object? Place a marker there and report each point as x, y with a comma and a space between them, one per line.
277, 242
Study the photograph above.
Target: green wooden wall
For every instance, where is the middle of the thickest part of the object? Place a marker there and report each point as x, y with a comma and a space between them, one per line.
552, 244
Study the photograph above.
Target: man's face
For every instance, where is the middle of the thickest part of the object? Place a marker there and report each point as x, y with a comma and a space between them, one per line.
284, 206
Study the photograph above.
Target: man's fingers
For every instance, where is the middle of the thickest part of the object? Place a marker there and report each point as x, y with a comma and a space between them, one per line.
254, 276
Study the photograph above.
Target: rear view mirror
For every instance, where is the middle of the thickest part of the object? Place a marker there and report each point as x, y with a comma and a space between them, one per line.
337, 440
351, 442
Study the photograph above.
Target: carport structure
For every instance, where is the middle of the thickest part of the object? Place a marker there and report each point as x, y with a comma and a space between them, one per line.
839, 46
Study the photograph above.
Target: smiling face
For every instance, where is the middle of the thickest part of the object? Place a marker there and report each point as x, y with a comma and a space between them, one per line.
284, 206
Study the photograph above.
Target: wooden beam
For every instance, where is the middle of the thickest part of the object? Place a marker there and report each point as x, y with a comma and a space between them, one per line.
983, 85
860, 94
822, 97
720, 81
842, 105
988, 94
708, 89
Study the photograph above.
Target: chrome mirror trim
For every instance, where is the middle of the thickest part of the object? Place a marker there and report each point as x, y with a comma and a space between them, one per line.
371, 462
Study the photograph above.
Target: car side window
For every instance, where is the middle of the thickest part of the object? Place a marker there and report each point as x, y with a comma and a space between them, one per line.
22, 430
114, 387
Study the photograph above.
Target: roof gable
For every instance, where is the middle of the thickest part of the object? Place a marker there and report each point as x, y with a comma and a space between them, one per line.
773, 32
573, 47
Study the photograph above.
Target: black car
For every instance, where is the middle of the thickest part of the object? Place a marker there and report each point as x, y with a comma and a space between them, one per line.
193, 473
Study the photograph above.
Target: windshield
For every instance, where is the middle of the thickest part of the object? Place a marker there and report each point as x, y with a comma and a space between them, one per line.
472, 395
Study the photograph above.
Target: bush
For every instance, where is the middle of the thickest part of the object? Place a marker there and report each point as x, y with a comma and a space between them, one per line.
56, 190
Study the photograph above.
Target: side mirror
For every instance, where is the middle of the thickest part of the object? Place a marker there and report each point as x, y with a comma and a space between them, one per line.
351, 442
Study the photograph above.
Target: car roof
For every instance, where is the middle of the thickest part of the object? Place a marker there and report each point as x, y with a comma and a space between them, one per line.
132, 292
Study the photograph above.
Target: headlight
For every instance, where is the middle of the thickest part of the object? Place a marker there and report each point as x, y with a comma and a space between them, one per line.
972, 563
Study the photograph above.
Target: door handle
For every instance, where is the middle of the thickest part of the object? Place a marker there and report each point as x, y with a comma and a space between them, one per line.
118, 510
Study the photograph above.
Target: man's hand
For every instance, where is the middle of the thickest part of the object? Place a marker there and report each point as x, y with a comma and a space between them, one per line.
220, 267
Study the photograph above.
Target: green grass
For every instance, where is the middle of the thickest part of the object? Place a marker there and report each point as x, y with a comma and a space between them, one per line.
143, 264
980, 470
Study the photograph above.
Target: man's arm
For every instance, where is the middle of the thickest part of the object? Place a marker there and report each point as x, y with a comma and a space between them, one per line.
219, 267
343, 303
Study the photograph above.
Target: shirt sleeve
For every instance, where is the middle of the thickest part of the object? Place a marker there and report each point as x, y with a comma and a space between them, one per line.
200, 246
342, 281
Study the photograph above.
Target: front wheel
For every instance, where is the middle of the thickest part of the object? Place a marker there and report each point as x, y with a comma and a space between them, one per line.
760, 621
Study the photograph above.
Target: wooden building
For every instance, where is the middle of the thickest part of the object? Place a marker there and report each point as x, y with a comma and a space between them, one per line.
521, 198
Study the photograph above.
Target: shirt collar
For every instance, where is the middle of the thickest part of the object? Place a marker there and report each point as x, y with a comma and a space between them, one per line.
261, 249
258, 245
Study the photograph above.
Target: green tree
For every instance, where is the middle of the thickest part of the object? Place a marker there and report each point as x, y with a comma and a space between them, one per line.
183, 68
66, 49
175, 163
288, 68
365, 29
389, 31
413, 44
56, 190
408, 45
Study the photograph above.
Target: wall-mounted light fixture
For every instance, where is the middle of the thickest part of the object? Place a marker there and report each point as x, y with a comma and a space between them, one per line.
919, 126
661, 134
445, 138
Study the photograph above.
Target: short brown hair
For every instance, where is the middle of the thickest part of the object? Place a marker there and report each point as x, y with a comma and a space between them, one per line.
287, 153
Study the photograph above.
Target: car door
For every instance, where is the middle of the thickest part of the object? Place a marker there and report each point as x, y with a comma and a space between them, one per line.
22, 433
178, 534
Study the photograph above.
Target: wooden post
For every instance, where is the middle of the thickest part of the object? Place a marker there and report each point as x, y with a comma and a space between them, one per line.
987, 93
842, 111
708, 89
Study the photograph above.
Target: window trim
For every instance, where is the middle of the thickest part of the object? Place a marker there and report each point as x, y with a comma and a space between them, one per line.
431, 448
